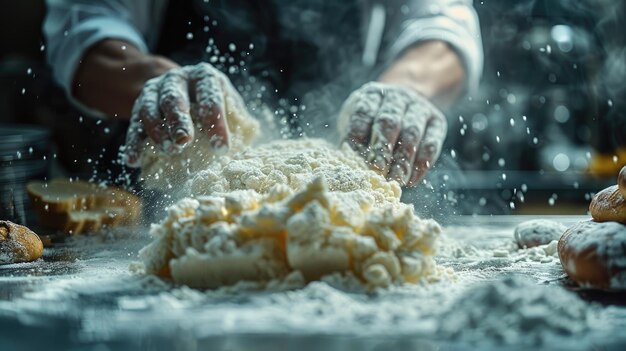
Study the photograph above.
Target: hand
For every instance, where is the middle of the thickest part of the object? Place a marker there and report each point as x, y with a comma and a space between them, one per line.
397, 131
162, 111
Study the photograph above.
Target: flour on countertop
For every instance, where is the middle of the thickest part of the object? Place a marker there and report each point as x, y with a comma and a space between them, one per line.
452, 248
515, 311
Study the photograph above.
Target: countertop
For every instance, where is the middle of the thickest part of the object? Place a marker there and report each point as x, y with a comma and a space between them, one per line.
83, 294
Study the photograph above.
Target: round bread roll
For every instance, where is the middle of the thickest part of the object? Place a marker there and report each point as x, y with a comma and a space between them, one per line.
608, 205
18, 243
621, 181
593, 254
537, 232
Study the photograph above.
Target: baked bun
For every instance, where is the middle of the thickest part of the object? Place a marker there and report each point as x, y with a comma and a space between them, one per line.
621, 181
77, 206
593, 254
608, 205
18, 243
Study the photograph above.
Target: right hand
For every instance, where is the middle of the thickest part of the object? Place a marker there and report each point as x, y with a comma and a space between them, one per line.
162, 111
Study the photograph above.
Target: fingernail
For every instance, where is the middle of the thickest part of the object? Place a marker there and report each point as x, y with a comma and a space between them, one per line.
377, 162
181, 136
398, 174
131, 160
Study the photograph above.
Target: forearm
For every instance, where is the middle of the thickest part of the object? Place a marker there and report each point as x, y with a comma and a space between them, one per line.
111, 75
432, 68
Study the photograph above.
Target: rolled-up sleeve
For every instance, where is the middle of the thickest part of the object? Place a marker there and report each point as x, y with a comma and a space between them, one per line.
73, 26
452, 21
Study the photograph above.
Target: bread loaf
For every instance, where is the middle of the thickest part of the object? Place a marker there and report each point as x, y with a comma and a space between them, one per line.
18, 243
78, 206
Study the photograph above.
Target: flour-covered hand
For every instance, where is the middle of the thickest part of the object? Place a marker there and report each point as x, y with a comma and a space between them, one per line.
398, 132
162, 111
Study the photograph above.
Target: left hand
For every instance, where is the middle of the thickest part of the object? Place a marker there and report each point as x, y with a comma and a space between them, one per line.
396, 130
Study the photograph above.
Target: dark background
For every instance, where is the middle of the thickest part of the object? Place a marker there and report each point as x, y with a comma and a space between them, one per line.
551, 91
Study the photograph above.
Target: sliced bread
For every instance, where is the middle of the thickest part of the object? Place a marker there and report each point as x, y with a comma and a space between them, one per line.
78, 206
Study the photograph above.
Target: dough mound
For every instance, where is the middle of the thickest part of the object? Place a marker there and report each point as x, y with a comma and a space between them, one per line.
538, 232
594, 254
294, 163
291, 206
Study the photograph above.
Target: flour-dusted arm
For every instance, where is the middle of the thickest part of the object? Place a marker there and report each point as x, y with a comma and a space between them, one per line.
396, 123
452, 22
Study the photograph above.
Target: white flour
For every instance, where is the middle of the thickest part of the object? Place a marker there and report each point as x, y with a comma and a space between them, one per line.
513, 311
448, 247
311, 208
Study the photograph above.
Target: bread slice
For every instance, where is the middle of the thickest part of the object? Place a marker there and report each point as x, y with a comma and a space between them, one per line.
78, 206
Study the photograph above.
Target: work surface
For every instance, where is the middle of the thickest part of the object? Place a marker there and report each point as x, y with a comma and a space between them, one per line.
82, 295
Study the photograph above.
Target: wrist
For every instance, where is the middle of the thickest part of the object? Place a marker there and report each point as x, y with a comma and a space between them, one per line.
111, 75
431, 69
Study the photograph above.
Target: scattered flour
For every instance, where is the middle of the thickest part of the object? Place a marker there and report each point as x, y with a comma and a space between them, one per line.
515, 311
509, 249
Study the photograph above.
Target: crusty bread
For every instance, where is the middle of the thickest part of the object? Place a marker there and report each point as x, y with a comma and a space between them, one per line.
621, 181
608, 205
593, 254
77, 206
18, 244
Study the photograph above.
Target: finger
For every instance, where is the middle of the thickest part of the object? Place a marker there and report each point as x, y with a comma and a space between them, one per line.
386, 130
206, 84
134, 138
404, 154
360, 110
174, 106
413, 125
430, 147
145, 109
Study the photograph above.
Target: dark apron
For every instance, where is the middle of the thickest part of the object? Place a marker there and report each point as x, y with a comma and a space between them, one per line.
294, 52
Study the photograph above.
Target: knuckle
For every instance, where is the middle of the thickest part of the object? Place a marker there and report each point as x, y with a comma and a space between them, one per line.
174, 74
388, 121
429, 150
204, 67
411, 135
169, 99
145, 114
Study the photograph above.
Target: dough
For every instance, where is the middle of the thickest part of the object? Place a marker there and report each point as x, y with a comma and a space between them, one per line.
291, 205
608, 205
18, 244
537, 232
594, 254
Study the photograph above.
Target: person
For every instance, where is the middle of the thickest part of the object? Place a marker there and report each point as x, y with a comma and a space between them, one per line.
148, 62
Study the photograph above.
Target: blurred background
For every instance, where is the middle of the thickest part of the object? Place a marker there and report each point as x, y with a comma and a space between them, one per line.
544, 132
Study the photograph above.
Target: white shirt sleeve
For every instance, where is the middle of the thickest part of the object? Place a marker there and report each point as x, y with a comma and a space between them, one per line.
73, 26
451, 21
